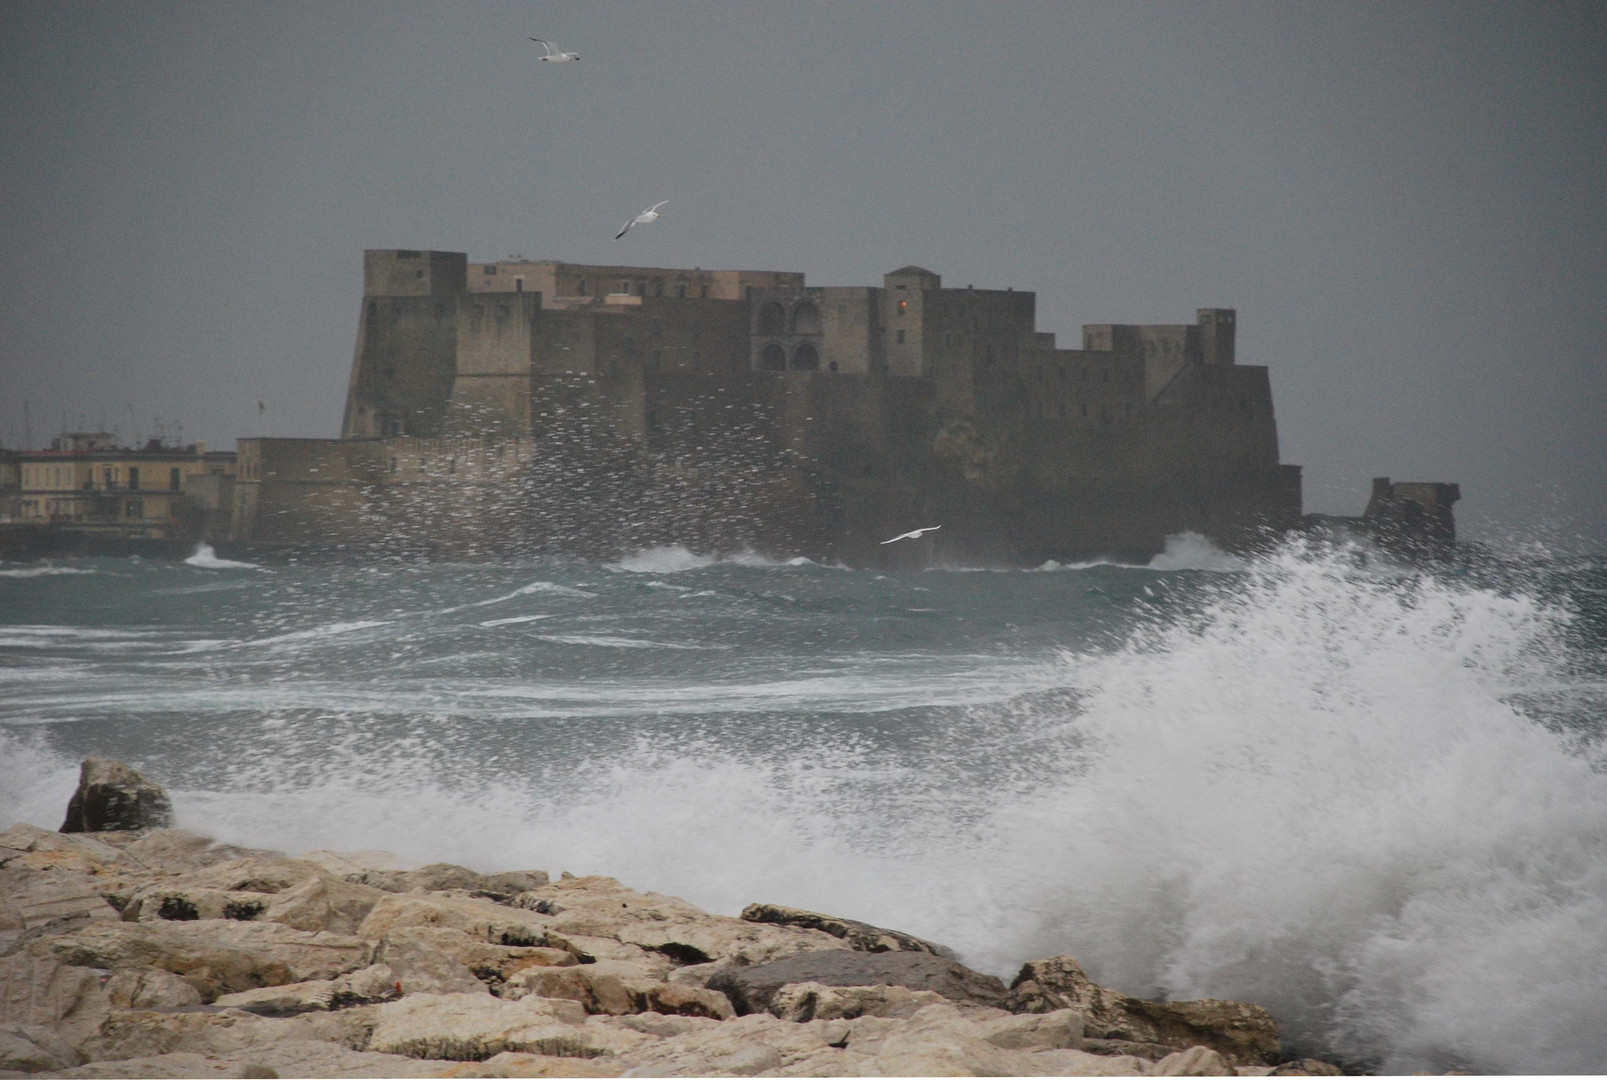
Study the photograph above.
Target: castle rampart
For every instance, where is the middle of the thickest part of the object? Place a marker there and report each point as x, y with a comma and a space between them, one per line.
747, 407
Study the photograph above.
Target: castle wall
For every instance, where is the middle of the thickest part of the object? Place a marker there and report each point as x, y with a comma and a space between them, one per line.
391, 272
404, 367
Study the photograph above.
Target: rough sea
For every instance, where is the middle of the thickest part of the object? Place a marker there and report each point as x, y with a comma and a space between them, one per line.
1370, 796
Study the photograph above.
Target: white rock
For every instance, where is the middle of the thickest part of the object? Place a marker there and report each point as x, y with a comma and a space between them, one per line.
1195, 1061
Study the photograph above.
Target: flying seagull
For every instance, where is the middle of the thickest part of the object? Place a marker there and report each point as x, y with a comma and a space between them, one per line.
553, 54
914, 534
644, 218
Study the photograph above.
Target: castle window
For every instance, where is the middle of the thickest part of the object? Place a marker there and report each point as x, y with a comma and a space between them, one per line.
173, 479
901, 337
903, 305
490, 270
806, 358
704, 293
658, 286
582, 286
136, 509
625, 287
773, 358
680, 290
519, 284
806, 318
772, 319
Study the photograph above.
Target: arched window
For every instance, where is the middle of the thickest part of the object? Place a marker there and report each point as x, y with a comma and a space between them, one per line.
773, 358
805, 358
806, 319
772, 319
658, 286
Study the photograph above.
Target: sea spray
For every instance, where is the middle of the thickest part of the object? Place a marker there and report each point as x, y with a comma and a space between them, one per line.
1316, 783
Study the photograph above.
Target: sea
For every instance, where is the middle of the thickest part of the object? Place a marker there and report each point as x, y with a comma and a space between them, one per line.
1369, 795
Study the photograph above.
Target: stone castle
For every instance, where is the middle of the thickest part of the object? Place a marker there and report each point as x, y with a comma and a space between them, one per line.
527, 407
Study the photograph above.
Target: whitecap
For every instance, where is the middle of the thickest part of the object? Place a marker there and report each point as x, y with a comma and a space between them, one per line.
207, 559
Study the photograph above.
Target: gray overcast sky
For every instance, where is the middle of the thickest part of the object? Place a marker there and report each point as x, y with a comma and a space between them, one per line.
1407, 202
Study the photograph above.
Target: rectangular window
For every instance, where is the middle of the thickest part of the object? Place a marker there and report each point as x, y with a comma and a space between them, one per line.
174, 481
133, 478
490, 271
902, 306
136, 509
111, 477
680, 290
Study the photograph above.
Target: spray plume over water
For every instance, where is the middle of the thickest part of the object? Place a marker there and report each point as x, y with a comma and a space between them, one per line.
1369, 798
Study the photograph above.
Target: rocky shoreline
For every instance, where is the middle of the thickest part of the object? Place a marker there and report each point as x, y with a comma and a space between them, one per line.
133, 949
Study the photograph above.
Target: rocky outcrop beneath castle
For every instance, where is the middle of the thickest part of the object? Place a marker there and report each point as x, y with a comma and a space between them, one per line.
161, 953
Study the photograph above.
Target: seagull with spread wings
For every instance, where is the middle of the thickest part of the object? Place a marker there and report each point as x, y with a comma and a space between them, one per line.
646, 217
553, 53
913, 534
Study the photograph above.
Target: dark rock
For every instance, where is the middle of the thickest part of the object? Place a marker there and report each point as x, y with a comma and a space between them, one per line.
111, 797
862, 936
1244, 1034
752, 988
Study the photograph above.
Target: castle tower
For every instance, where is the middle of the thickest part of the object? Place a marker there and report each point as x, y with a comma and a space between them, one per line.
1217, 335
398, 272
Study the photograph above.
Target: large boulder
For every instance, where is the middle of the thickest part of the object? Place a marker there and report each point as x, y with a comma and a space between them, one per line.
215, 956
473, 1027
441, 877
111, 797
753, 988
860, 936
1243, 1034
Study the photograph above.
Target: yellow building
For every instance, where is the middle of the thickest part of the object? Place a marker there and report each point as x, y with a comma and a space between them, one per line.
86, 483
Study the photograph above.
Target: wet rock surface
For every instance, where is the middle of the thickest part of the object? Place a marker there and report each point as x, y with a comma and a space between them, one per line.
112, 797
158, 953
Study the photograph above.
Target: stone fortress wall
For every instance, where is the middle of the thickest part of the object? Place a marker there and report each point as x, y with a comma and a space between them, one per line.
546, 406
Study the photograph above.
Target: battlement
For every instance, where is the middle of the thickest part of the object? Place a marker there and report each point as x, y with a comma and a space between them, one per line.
400, 272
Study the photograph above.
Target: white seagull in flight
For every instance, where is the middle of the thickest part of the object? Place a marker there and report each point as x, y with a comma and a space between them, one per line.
914, 534
554, 55
646, 217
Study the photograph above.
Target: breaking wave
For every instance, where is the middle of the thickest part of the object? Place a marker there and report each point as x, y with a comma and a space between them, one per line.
1320, 787
207, 559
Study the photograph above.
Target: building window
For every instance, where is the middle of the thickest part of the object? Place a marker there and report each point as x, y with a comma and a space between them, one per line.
625, 287
418, 273
111, 477
519, 284
490, 270
773, 358
680, 290
805, 358
136, 509
903, 306
133, 478
704, 292
901, 337
583, 286
173, 481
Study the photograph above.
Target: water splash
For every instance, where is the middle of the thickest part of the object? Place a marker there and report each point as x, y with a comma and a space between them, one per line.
206, 558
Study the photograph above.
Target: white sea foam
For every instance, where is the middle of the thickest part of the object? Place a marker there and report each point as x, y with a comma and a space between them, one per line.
1314, 794
1191, 551
514, 620
42, 571
675, 559
535, 587
608, 641
207, 559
